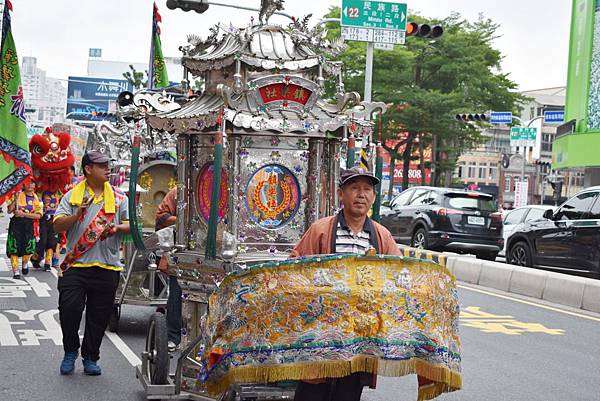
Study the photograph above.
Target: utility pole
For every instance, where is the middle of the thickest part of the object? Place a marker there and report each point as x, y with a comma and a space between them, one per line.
369, 71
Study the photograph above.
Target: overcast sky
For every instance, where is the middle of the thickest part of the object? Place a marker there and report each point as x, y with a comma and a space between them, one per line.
534, 33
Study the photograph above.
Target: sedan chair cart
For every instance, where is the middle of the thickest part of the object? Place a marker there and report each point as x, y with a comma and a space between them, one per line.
258, 161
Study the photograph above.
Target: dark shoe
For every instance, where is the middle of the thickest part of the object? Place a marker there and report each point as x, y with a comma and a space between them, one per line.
16, 276
63, 251
36, 264
91, 368
67, 366
46, 268
25, 270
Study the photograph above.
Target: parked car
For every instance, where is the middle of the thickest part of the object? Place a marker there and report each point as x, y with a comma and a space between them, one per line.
567, 240
446, 219
515, 218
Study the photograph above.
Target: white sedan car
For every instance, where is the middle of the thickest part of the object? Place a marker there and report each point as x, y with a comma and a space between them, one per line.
514, 218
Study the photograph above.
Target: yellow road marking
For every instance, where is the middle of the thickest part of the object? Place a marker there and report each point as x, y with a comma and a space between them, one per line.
473, 316
566, 312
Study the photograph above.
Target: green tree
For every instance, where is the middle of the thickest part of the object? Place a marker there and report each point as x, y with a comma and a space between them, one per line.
137, 79
426, 83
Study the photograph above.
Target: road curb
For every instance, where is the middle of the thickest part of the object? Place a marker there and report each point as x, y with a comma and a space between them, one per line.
573, 291
467, 269
528, 282
591, 296
496, 275
563, 291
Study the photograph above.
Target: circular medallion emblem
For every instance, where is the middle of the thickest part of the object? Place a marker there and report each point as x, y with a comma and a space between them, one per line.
272, 196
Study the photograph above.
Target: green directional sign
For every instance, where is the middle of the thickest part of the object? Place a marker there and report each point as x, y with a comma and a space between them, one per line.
374, 14
523, 134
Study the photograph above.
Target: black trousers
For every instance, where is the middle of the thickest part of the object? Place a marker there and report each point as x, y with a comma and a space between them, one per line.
20, 240
47, 238
174, 311
348, 388
92, 288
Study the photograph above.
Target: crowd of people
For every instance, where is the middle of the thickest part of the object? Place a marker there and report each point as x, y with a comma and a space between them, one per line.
93, 215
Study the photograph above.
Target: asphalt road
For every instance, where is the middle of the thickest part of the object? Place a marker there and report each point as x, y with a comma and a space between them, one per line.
513, 348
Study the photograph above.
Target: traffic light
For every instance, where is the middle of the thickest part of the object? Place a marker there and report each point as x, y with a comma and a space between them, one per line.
102, 114
477, 117
188, 5
424, 30
544, 166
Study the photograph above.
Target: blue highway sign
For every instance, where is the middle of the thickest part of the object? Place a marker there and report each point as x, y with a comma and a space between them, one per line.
554, 116
501, 117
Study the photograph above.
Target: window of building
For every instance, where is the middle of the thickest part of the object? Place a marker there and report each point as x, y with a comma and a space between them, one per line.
517, 179
507, 183
493, 173
471, 172
482, 170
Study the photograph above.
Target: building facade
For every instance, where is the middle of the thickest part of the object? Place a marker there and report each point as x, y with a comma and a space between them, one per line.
45, 97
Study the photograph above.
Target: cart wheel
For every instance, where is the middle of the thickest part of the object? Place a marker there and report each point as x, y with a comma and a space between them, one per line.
113, 321
228, 395
157, 349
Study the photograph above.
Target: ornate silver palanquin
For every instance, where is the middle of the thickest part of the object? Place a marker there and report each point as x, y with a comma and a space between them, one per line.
264, 89
283, 140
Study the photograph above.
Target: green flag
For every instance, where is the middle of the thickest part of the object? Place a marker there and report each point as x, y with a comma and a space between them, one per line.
15, 163
161, 79
158, 77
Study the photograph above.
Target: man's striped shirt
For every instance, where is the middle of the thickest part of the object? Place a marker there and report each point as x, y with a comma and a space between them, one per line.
346, 242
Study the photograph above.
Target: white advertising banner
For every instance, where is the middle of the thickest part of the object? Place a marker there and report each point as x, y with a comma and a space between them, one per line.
521, 194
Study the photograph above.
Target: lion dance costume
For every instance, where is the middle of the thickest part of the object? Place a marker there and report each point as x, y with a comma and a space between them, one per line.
52, 160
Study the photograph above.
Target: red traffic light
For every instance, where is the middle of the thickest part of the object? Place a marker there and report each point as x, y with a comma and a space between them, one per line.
424, 30
411, 28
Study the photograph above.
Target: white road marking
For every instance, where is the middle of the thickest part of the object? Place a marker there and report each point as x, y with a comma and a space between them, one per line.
131, 357
117, 341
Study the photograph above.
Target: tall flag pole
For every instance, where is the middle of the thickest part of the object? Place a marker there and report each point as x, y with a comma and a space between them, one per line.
157, 71
15, 163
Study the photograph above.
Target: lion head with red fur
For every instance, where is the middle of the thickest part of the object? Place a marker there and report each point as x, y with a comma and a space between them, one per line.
51, 159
